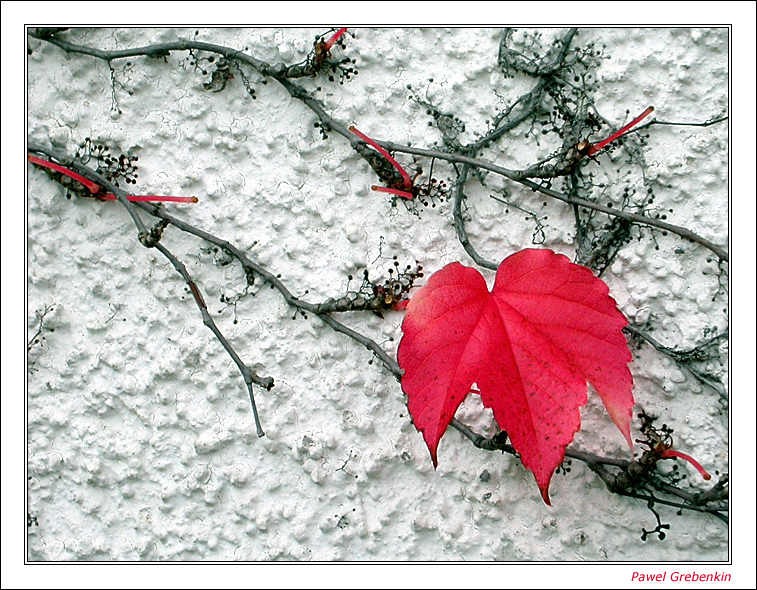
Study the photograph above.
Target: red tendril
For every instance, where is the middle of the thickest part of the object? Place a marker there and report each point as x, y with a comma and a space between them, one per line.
670, 453
394, 191
334, 38
94, 188
151, 198
405, 176
598, 146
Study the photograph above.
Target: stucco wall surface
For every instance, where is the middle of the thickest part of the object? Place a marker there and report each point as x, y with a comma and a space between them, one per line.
141, 442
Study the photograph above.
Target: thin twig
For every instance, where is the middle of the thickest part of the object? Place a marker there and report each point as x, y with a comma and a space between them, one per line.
41, 317
677, 123
457, 217
680, 356
248, 375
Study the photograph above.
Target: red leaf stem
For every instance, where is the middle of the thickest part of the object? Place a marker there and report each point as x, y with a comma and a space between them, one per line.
151, 198
334, 38
598, 146
670, 453
93, 188
383, 152
394, 191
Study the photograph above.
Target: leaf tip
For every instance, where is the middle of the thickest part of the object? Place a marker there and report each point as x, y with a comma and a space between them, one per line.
433, 458
432, 448
627, 434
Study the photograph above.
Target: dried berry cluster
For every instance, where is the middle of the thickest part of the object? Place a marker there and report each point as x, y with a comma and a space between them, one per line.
220, 75
108, 165
377, 296
393, 289
220, 71
655, 439
449, 125
343, 69
323, 128
432, 191
320, 58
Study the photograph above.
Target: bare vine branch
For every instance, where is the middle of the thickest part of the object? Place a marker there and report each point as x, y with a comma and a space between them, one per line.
636, 479
151, 238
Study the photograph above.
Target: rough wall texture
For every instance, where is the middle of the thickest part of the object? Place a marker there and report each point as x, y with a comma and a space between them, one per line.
141, 443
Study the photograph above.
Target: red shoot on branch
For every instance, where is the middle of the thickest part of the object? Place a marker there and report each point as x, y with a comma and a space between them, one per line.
394, 191
670, 453
322, 49
407, 183
95, 189
334, 38
150, 198
598, 146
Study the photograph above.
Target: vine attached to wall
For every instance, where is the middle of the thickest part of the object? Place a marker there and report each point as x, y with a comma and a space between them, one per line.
480, 327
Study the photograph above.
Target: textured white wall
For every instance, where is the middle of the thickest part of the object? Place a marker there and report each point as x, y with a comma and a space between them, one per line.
141, 443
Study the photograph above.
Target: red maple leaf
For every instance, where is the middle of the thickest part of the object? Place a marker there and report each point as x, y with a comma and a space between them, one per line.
530, 345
